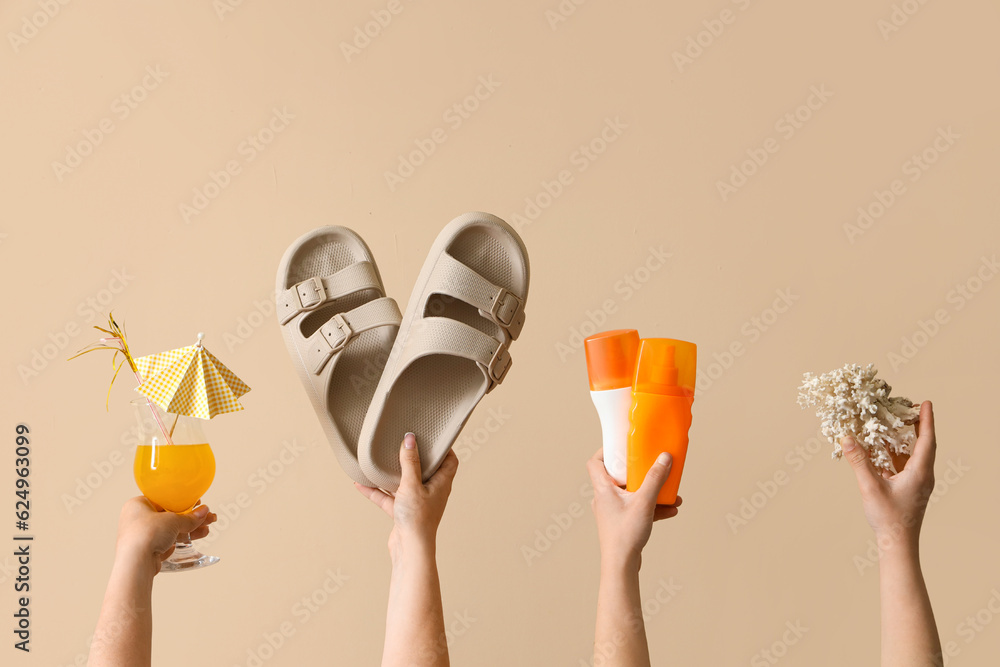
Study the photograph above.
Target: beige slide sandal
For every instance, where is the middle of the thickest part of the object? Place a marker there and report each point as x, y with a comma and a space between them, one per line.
466, 308
339, 327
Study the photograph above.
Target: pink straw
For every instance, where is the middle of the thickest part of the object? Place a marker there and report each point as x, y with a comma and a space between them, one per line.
149, 402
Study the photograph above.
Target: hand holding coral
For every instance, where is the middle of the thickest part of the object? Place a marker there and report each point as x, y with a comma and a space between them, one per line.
852, 401
895, 503
624, 519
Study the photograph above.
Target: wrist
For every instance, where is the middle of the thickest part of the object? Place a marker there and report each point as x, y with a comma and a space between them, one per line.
412, 545
135, 563
620, 565
897, 541
132, 575
898, 551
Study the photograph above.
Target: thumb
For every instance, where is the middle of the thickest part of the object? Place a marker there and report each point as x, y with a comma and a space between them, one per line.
857, 456
185, 523
409, 461
655, 478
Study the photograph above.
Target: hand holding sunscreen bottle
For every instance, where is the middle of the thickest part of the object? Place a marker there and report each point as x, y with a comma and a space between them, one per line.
611, 367
662, 394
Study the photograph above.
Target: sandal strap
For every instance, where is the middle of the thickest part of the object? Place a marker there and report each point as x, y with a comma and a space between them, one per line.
312, 293
453, 278
331, 338
443, 335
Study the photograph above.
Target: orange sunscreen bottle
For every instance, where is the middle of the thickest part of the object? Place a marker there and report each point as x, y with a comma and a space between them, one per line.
611, 368
662, 394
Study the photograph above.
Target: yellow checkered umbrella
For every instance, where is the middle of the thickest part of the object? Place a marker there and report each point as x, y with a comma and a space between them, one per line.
190, 381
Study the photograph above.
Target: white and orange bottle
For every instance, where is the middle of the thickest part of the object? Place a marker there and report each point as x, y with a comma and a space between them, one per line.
662, 394
611, 359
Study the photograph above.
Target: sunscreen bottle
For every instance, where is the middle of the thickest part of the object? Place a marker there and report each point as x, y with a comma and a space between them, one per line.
662, 394
611, 367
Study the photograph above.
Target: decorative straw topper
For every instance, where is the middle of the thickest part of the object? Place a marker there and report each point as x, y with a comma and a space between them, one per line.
186, 381
190, 381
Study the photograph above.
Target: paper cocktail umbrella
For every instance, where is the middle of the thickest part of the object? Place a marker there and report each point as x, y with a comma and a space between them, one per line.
190, 381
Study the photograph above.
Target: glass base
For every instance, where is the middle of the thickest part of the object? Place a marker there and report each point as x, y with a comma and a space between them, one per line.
186, 557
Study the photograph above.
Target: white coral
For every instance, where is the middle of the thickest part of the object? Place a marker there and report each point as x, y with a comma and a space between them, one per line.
852, 401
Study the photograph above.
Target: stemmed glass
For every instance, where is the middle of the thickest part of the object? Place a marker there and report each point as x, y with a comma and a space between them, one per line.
174, 474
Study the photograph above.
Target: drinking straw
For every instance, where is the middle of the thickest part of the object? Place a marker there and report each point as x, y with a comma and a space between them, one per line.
149, 402
117, 335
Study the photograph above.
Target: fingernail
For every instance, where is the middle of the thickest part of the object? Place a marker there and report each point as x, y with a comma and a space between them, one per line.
409, 441
201, 510
847, 443
662, 459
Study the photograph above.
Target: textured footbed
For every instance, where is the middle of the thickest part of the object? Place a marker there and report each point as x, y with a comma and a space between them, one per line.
341, 411
435, 395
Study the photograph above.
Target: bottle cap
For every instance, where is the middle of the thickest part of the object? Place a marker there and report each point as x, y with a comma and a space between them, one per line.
666, 366
611, 358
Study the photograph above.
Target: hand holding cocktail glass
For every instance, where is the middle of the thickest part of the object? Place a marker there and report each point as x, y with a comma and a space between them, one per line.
174, 464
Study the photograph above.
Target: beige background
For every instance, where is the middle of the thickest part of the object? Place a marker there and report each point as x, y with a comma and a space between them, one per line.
800, 559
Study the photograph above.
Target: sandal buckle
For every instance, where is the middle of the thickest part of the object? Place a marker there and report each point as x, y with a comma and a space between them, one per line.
500, 364
309, 290
515, 320
345, 330
322, 353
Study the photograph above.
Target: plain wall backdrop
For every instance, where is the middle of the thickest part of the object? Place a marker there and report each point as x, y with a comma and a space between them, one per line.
790, 185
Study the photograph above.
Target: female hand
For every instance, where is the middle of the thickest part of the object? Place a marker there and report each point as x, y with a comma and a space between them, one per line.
625, 519
895, 504
146, 533
417, 508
